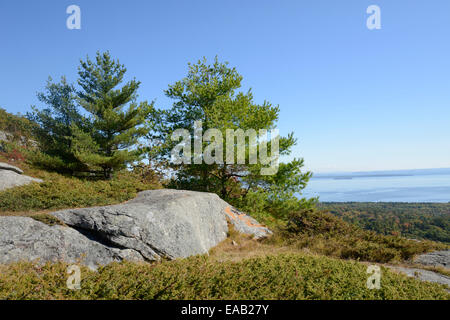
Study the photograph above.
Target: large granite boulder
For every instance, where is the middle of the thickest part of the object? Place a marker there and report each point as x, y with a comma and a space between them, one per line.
157, 224
25, 239
164, 223
11, 176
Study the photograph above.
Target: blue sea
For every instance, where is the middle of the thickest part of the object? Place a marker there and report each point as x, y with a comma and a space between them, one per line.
392, 186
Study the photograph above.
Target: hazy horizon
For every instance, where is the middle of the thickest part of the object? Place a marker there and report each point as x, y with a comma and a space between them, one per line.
373, 171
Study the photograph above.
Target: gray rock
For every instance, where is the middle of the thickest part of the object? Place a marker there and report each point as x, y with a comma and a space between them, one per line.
436, 259
6, 166
25, 239
23, 141
5, 136
11, 179
157, 224
423, 275
164, 223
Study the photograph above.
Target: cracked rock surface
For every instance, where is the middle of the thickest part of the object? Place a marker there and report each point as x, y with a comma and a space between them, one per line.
163, 223
25, 239
156, 224
435, 259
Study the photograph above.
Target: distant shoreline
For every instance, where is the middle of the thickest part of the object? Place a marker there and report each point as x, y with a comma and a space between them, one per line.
384, 202
381, 174
363, 176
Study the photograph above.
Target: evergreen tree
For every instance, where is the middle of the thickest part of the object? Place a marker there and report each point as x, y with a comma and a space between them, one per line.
117, 120
209, 94
54, 130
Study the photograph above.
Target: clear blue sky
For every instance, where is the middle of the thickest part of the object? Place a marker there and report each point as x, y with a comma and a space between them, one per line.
357, 99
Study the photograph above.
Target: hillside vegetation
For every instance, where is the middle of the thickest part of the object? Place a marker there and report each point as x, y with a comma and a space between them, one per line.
412, 220
282, 276
16, 125
60, 191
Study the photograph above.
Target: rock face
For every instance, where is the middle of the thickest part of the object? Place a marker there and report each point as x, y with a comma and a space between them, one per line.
163, 223
4, 136
11, 177
157, 224
424, 275
23, 141
436, 259
25, 239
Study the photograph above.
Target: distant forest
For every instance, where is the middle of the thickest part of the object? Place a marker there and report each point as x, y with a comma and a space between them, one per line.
411, 220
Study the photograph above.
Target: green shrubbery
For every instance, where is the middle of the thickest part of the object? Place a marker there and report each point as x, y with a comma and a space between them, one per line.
285, 276
60, 191
17, 126
326, 234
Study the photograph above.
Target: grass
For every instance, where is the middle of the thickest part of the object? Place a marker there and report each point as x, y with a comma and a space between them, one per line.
60, 191
280, 276
238, 268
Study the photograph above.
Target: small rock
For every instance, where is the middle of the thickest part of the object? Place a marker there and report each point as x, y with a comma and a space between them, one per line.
4, 136
11, 179
6, 166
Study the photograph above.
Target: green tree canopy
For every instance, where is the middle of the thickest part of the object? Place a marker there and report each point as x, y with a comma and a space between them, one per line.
117, 120
209, 93
105, 137
55, 123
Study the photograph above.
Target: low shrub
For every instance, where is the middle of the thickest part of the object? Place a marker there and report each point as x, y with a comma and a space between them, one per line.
61, 191
283, 276
326, 234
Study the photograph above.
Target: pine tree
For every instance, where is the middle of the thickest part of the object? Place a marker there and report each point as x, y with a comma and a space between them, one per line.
209, 94
117, 120
54, 130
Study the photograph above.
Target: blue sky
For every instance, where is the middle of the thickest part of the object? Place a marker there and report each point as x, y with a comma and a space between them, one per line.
357, 99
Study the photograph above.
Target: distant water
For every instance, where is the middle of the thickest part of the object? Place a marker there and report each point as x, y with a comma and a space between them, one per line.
381, 188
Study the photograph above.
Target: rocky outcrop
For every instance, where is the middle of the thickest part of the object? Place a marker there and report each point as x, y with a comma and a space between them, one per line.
164, 223
424, 275
5, 136
11, 176
21, 140
25, 239
435, 259
157, 224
